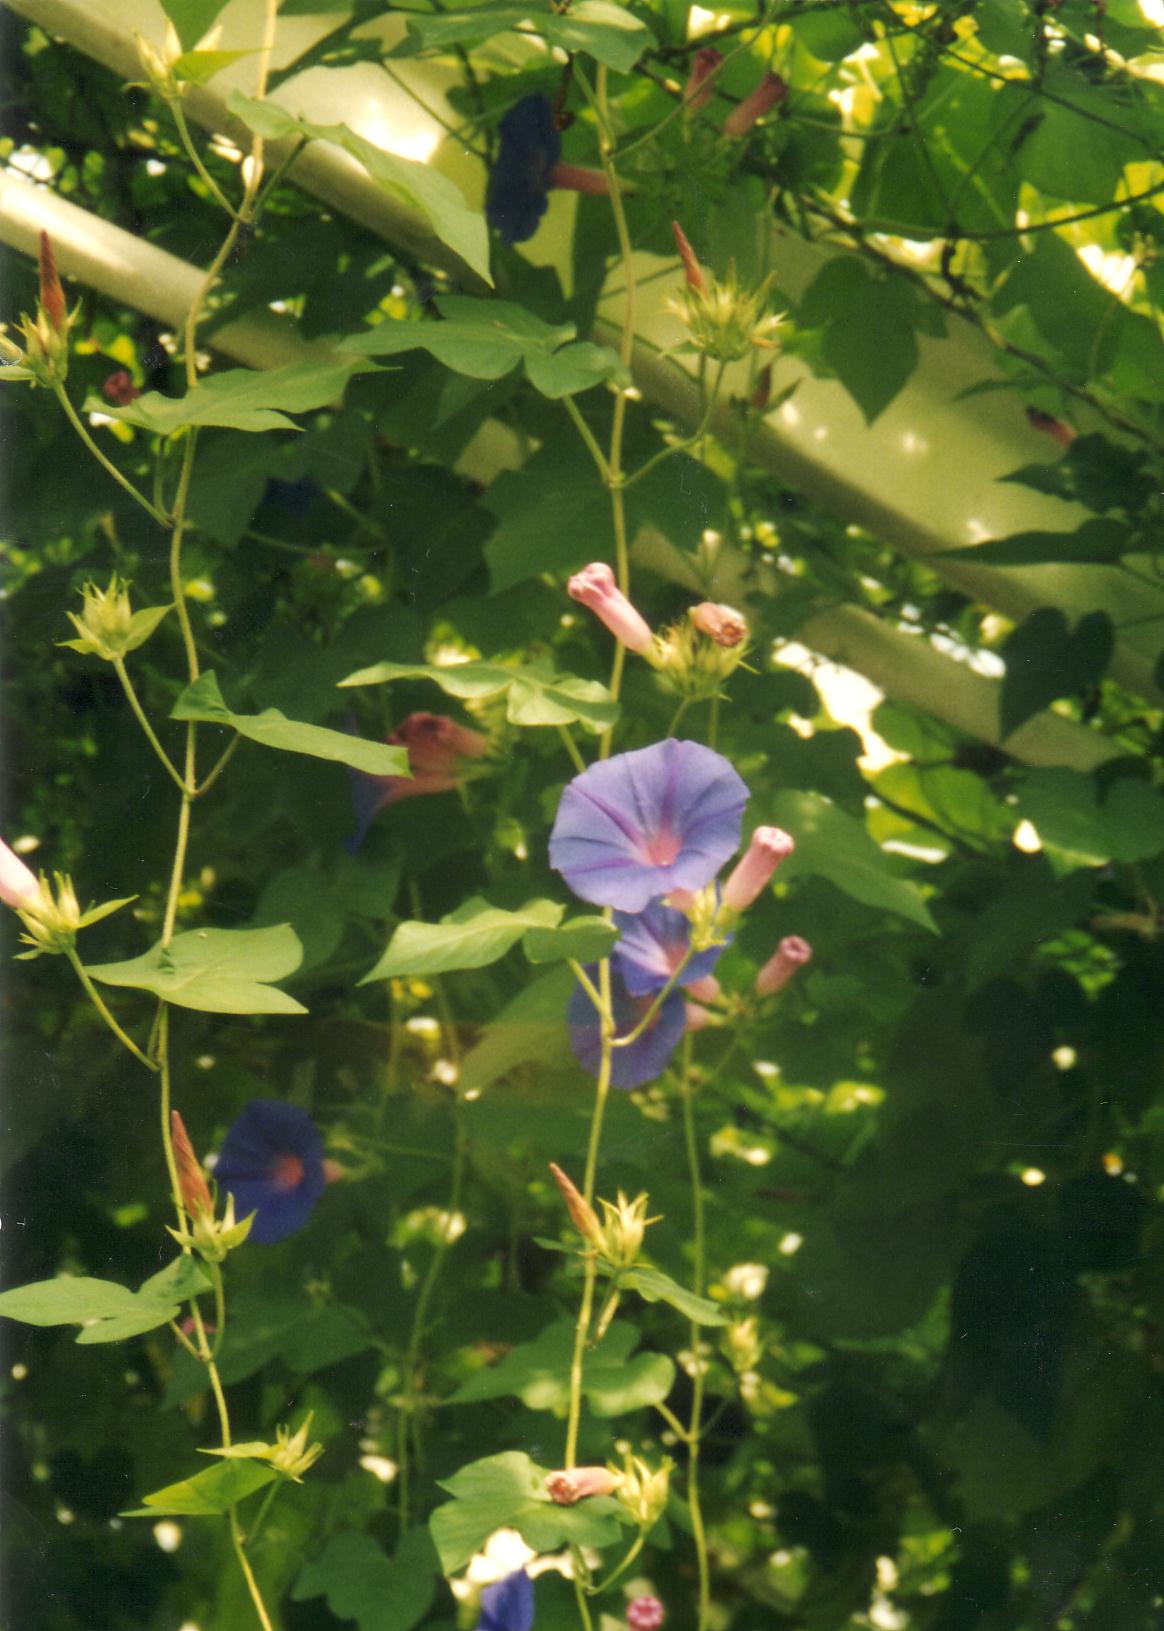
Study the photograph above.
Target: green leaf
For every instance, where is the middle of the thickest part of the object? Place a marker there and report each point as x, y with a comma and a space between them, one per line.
654, 1286
869, 323
1097, 542
418, 186
218, 971
538, 1373
362, 1583
585, 939
509, 1491
203, 701
606, 32
1078, 827
1045, 660
534, 695
473, 936
487, 339
834, 845
108, 1312
192, 18
207, 1494
199, 67
238, 399
531, 1026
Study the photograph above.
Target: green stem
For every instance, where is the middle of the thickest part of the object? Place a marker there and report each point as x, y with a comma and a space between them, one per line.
571, 747
697, 435
139, 714
224, 759
195, 158
123, 482
261, 1515
617, 1574
580, 1596
244, 1564
588, 437
697, 1278
98, 1002
656, 1003
678, 715
219, 1308
586, 983
672, 1421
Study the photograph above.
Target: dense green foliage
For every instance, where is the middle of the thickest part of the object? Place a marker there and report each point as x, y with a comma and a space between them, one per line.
922, 1334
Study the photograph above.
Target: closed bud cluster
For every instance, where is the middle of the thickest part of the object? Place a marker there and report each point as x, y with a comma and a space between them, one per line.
644, 1614
162, 68
52, 916
701, 909
44, 357
108, 626
291, 1455
702, 651
623, 1226
212, 1238
723, 319
643, 1490
743, 1345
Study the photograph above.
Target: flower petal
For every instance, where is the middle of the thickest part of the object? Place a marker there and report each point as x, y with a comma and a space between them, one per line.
644, 1059
650, 948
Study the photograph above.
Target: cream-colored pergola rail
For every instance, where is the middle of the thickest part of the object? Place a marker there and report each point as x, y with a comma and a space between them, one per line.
924, 477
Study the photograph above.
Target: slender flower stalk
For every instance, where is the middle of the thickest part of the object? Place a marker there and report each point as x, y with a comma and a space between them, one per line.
769, 93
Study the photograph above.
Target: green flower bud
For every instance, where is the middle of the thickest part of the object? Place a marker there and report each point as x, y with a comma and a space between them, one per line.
643, 1490
108, 626
622, 1230
290, 1455
54, 917
723, 320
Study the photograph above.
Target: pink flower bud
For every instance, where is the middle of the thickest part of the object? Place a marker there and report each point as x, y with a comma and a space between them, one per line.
1057, 429
723, 624
769, 846
792, 953
52, 296
192, 1183
691, 267
595, 587
706, 63
435, 746
576, 178
582, 1214
18, 886
644, 1614
707, 989
569, 1487
768, 93
698, 1017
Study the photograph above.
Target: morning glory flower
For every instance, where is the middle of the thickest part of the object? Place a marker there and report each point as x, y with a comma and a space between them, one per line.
635, 827
272, 1163
528, 164
436, 745
650, 947
509, 1605
648, 1056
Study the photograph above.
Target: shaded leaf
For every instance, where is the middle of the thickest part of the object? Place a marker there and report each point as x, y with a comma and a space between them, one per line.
1096, 542
1065, 809
362, 1583
834, 845
238, 399
1046, 660
203, 701
538, 1373
192, 18
607, 32
656, 1287
509, 1491
207, 1494
585, 939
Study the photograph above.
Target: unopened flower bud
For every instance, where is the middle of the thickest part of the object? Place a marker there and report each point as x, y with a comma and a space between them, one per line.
698, 1018
290, 1455
52, 296
792, 953
108, 626
119, 388
706, 989
723, 624
768, 93
577, 1483
762, 394
1057, 429
19, 887
644, 1614
596, 589
698, 91
643, 1491
692, 271
768, 847
195, 1191
582, 1214
623, 1225
578, 178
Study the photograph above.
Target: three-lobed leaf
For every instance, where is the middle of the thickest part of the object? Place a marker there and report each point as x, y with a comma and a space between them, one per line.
272, 729
418, 186
362, 1583
1046, 660
473, 936
538, 1373
217, 971
535, 695
239, 399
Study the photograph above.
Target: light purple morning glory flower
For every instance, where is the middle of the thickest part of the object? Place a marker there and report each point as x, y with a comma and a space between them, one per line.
651, 945
635, 827
642, 1060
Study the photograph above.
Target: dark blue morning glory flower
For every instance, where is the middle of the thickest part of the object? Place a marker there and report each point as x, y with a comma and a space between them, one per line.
521, 177
651, 945
272, 1163
648, 1056
509, 1605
